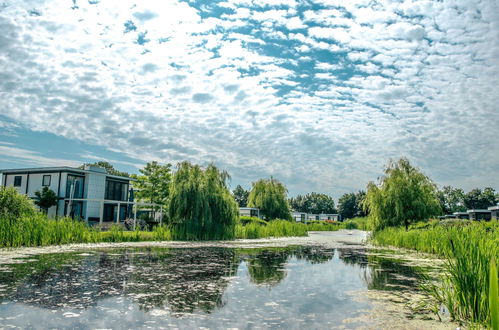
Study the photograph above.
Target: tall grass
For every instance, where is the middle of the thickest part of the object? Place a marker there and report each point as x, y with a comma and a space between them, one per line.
38, 230
468, 249
275, 228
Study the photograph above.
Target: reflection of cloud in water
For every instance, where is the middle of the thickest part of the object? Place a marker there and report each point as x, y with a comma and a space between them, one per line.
210, 287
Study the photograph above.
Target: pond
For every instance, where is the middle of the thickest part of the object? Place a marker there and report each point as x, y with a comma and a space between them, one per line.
295, 287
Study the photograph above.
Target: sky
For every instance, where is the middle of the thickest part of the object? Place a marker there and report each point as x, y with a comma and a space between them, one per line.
319, 94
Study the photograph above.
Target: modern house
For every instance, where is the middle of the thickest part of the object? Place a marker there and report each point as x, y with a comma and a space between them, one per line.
90, 193
480, 215
299, 216
249, 212
323, 217
461, 215
494, 210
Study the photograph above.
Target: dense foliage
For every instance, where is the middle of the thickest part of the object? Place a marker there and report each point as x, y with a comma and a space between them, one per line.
46, 198
478, 199
469, 247
153, 183
13, 204
201, 206
313, 203
269, 195
402, 196
241, 196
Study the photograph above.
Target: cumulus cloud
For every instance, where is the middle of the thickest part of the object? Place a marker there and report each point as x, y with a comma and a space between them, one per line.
318, 94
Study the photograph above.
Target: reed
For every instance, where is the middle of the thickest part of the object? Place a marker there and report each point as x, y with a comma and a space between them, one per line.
275, 228
468, 249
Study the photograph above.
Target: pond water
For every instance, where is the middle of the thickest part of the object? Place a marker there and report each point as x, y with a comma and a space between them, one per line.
310, 287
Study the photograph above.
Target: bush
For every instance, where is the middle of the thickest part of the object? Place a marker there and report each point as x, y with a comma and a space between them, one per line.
245, 220
351, 225
14, 205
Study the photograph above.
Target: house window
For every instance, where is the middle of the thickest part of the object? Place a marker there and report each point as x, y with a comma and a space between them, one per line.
46, 180
17, 180
74, 186
116, 190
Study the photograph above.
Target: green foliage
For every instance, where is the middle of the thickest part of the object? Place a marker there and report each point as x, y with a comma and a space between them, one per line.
245, 220
451, 200
46, 198
153, 183
478, 199
402, 196
109, 168
276, 228
201, 206
13, 204
493, 296
347, 206
241, 196
324, 226
270, 197
469, 250
314, 203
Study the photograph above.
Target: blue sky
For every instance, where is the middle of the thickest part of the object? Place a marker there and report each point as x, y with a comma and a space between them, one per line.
318, 93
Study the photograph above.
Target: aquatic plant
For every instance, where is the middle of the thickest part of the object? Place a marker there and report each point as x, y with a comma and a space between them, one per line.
468, 250
275, 228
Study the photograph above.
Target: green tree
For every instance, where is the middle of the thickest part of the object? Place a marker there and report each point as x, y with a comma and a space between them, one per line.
347, 206
478, 199
451, 200
153, 183
241, 196
108, 166
45, 199
360, 209
314, 203
404, 194
201, 206
269, 195
13, 204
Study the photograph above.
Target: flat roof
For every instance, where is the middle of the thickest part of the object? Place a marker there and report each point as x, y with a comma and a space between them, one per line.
479, 211
60, 169
494, 208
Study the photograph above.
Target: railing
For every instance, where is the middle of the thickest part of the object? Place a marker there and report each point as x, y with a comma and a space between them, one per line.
109, 201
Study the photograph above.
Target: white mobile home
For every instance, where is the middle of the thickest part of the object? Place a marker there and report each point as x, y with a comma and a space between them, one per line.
299, 216
249, 212
90, 193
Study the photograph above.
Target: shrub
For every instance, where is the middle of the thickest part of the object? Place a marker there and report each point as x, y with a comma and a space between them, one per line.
13, 204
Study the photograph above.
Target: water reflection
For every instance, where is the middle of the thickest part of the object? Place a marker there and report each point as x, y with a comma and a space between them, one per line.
304, 282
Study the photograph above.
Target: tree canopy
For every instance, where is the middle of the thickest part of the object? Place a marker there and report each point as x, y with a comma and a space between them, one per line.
270, 196
153, 183
314, 203
241, 196
45, 199
478, 199
404, 194
108, 166
347, 206
451, 200
201, 206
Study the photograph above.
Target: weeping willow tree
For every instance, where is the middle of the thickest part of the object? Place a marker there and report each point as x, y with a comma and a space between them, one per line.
201, 206
402, 196
269, 195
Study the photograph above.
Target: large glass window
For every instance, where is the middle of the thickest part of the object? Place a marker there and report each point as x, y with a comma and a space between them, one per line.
74, 186
46, 180
116, 190
17, 180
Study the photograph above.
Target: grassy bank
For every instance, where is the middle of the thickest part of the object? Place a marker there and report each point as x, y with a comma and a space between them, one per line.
469, 249
37, 230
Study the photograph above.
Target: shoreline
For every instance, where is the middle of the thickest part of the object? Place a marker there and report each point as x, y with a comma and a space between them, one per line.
341, 238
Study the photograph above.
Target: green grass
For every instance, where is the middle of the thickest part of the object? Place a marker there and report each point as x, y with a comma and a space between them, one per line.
468, 249
274, 228
324, 226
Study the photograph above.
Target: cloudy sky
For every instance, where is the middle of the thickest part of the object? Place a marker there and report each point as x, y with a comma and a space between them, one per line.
318, 93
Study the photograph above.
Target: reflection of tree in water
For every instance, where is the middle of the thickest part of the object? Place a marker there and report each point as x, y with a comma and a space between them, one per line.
353, 257
182, 280
391, 274
313, 254
267, 267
